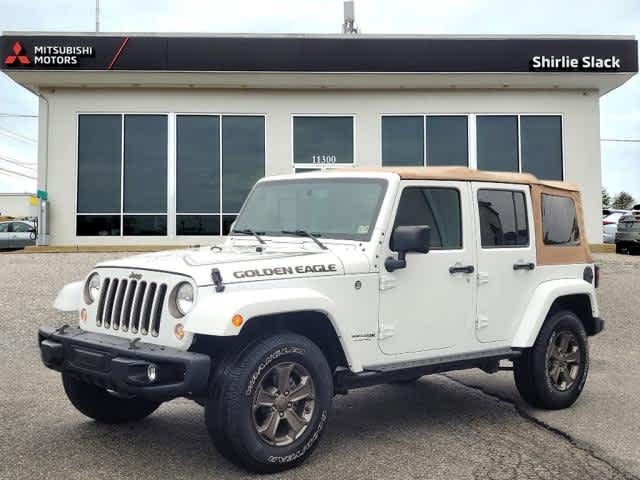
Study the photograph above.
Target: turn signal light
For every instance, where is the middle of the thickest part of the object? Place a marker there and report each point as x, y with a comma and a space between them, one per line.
83, 315
178, 331
237, 320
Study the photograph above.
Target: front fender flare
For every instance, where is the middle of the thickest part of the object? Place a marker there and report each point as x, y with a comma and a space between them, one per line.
212, 313
541, 301
69, 299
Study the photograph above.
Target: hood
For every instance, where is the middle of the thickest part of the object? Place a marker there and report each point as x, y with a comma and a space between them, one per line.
246, 263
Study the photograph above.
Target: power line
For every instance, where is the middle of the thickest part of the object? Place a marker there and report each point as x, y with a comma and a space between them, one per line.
17, 115
629, 140
17, 174
17, 136
27, 165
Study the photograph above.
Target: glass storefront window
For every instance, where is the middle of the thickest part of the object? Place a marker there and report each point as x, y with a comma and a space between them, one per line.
497, 143
325, 140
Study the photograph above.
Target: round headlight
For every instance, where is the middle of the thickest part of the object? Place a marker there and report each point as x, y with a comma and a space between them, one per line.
92, 288
184, 298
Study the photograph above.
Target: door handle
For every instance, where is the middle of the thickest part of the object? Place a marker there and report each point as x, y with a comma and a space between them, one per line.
461, 269
524, 266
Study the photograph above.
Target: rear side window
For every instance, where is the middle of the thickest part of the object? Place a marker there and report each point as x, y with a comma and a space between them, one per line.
629, 224
4, 227
559, 221
22, 227
439, 208
503, 218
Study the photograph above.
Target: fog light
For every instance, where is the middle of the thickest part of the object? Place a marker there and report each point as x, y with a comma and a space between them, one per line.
152, 372
178, 331
83, 315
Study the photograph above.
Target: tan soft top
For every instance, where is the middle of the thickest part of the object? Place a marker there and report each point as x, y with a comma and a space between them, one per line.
546, 254
465, 174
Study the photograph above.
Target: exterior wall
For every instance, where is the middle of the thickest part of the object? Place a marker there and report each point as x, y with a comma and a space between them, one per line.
579, 110
16, 205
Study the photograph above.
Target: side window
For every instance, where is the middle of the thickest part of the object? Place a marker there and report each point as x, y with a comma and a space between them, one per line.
4, 227
21, 227
559, 221
439, 208
503, 218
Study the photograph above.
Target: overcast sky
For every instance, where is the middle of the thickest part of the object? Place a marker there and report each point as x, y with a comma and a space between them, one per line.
620, 110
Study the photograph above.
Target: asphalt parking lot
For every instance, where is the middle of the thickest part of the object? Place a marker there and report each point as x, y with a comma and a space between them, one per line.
460, 425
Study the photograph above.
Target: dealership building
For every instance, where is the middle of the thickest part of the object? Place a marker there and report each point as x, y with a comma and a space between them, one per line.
157, 139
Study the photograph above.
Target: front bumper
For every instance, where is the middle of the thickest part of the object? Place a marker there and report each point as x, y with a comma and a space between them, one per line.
117, 364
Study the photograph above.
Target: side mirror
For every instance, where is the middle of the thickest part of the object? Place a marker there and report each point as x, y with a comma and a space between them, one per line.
408, 239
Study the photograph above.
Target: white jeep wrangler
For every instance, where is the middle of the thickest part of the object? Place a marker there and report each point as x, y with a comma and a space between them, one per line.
331, 281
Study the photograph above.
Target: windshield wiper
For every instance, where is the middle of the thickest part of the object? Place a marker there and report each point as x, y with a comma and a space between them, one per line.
248, 231
304, 233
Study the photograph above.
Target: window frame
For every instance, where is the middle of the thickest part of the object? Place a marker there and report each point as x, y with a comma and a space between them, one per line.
172, 146
221, 214
527, 216
121, 212
472, 138
519, 131
322, 166
424, 116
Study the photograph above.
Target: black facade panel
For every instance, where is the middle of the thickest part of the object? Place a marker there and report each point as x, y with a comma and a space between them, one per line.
319, 54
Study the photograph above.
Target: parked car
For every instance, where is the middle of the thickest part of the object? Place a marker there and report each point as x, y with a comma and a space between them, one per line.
17, 234
628, 234
332, 281
610, 224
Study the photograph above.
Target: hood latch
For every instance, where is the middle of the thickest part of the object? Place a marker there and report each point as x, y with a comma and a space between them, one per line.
217, 280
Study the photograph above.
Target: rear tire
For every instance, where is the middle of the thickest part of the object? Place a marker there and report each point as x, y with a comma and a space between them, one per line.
619, 248
269, 404
105, 407
553, 372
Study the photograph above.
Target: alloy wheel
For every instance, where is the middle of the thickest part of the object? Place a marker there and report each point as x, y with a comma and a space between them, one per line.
283, 403
563, 360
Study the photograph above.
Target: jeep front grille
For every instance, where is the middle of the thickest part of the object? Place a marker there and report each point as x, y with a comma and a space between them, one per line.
131, 305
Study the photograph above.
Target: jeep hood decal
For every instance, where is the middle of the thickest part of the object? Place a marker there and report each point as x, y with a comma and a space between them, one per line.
246, 265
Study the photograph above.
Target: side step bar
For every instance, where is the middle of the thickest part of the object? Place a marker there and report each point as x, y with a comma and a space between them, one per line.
345, 380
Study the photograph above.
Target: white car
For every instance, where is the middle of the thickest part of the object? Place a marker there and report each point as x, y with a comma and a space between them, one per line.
331, 281
610, 224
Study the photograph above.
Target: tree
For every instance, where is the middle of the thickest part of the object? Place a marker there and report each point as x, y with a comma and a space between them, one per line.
606, 198
622, 201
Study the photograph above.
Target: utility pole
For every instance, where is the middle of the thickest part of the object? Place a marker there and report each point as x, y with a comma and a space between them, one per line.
349, 25
97, 16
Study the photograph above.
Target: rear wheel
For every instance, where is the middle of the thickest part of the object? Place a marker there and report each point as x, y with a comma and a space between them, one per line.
104, 406
553, 372
269, 405
619, 248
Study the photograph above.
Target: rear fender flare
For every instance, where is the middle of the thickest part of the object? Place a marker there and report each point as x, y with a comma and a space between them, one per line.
541, 301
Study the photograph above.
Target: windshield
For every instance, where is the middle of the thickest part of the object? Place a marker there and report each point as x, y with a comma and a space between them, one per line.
340, 208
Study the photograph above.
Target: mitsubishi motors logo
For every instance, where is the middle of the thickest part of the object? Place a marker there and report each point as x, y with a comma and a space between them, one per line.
18, 55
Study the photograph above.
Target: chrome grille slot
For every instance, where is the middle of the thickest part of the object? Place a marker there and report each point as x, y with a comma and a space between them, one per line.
103, 296
131, 306
137, 307
126, 307
117, 306
146, 308
156, 314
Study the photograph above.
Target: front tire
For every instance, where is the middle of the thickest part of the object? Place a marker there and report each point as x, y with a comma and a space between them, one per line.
103, 406
553, 372
270, 403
